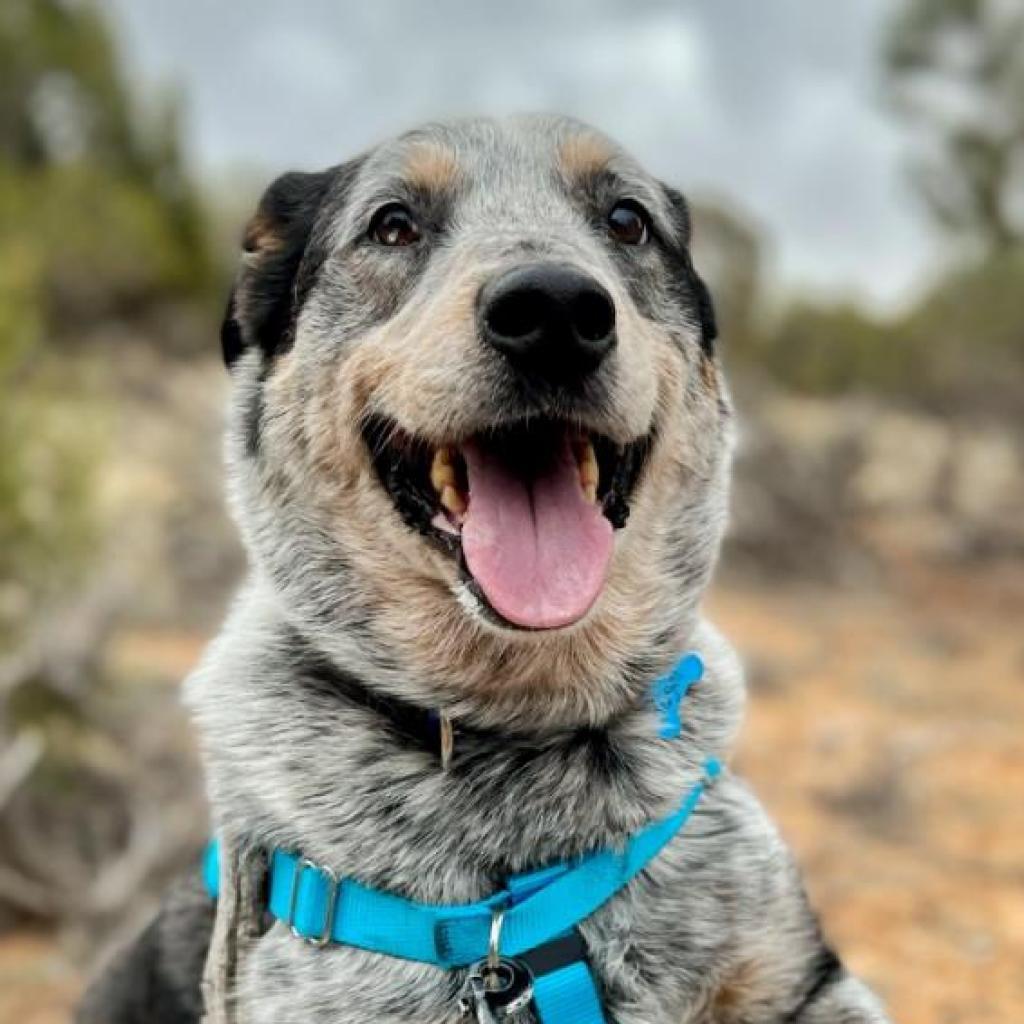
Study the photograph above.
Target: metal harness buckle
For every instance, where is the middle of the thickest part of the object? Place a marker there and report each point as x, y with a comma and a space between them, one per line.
497, 988
333, 891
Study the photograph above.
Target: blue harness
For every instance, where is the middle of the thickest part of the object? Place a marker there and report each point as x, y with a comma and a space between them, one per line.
533, 919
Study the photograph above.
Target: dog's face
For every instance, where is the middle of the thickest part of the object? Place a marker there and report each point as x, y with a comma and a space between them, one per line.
479, 440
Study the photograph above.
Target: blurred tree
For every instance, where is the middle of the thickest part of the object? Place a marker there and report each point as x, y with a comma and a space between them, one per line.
98, 215
955, 69
60, 93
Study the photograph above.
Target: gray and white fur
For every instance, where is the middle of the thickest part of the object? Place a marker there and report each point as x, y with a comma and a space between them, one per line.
557, 749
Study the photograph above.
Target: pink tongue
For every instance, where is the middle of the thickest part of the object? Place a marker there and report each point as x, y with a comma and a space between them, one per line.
537, 547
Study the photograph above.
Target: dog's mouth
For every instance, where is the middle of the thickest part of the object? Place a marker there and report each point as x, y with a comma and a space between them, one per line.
529, 510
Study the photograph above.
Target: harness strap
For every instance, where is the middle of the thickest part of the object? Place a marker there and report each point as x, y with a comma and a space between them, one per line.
322, 908
564, 991
568, 996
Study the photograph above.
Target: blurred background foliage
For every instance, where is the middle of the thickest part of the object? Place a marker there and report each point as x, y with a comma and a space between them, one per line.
103, 252
100, 227
871, 441
955, 71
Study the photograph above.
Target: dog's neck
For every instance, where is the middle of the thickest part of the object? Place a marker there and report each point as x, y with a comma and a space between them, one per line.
300, 755
434, 730
430, 730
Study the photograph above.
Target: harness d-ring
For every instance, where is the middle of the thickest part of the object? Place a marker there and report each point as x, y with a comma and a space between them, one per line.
494, 940
497, 987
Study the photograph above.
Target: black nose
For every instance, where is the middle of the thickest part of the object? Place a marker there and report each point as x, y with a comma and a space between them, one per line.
548, 320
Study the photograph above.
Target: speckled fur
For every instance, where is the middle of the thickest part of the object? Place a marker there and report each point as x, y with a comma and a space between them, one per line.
324, 329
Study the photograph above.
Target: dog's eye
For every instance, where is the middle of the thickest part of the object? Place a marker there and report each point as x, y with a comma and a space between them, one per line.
629, 223
393, 224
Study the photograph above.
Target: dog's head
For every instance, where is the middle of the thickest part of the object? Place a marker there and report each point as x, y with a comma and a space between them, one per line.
479, 440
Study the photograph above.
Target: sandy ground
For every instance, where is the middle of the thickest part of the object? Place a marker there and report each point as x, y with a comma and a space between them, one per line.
884, 734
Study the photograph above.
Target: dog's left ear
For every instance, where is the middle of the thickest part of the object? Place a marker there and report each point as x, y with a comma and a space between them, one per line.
280, 258
698, 290
262, 303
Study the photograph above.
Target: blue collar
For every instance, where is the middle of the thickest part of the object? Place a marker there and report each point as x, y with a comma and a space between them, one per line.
539, 909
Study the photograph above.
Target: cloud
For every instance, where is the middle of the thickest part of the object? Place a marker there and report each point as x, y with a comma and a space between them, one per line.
772, 106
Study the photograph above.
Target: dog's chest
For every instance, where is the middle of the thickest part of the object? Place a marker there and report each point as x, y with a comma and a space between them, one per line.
453, 839
297, 770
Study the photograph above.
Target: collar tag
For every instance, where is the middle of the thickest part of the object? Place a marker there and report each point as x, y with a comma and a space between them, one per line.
447, 740
670, 689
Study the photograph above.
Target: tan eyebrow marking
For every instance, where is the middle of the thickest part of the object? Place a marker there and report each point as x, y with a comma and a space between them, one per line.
582, 155
431, 166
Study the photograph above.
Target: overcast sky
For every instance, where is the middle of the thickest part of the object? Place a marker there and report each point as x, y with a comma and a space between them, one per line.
773, 106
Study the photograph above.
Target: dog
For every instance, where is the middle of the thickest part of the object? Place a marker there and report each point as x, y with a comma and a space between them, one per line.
479, 450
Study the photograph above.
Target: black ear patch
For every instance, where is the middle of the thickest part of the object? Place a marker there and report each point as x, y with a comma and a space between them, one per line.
279, 264
232, 344
692, 282
706, 312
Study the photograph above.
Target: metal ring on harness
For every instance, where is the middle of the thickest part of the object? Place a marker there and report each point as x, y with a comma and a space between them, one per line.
494, 940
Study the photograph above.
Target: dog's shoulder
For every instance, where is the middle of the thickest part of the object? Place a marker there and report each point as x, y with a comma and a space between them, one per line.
156, 979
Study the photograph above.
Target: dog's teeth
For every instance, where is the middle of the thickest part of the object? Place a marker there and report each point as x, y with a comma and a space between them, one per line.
442, 476
442, 472
589, 473
452, 500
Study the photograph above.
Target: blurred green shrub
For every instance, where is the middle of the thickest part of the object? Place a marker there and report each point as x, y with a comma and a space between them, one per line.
960, 349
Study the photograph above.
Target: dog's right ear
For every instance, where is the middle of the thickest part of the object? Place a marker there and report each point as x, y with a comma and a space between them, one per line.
277, 256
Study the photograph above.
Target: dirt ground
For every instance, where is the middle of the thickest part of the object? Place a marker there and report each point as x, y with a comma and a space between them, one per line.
884, 734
